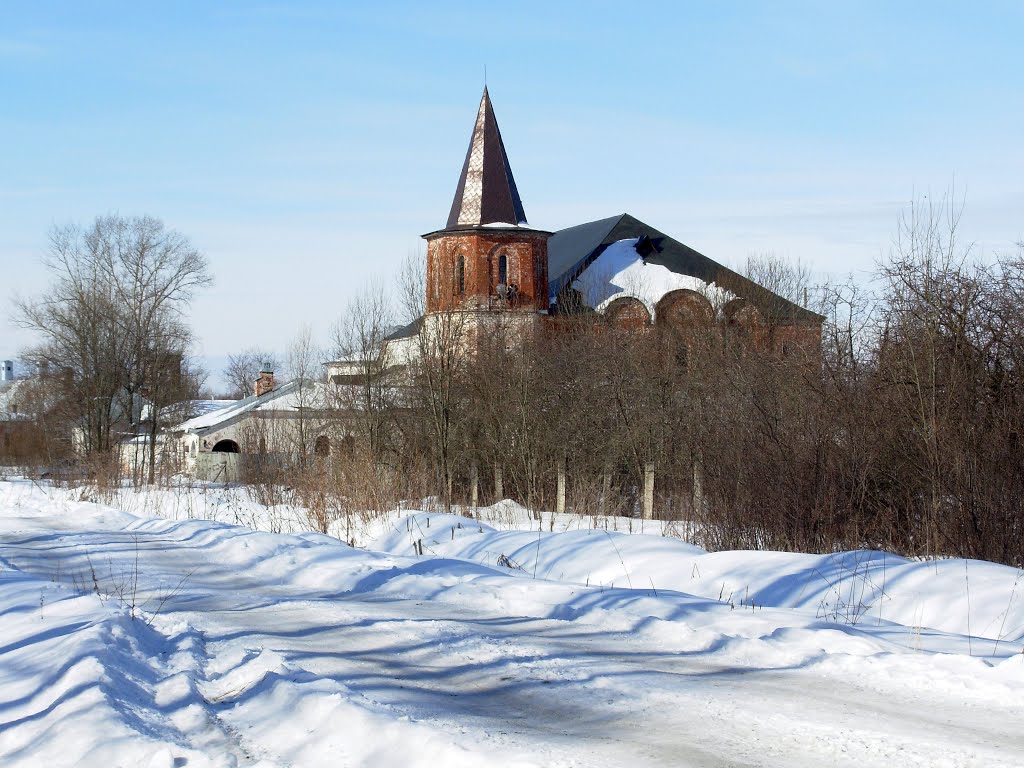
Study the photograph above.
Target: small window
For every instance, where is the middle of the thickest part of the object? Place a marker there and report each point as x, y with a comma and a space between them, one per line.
460, 274
503, 269
683, 357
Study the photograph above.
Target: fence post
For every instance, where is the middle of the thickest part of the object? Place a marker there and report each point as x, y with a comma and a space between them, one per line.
649, 490
474, 485
560, 501
698, 485
606, 489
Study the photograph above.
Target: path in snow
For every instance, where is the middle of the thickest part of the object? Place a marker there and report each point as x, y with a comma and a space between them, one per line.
296, 650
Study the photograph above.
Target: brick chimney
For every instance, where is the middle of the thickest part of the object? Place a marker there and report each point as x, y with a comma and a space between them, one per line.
265, 382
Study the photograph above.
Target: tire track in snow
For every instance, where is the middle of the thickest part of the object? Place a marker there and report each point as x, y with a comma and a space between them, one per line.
115, 659
571, 691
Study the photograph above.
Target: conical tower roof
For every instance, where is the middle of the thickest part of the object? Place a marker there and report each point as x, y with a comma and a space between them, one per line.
487, 192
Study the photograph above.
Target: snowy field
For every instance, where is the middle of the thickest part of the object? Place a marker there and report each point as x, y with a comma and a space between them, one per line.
142, 634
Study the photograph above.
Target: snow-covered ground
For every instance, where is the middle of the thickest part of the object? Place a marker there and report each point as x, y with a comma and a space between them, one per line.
145, 636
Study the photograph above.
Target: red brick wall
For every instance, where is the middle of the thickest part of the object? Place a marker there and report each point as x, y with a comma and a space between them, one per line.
527, 255
801, 340
684, 309
687, 321
628, 313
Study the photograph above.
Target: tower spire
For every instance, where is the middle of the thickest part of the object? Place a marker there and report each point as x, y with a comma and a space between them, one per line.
487, 192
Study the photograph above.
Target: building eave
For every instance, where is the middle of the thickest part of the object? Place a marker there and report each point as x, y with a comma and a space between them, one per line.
486, 229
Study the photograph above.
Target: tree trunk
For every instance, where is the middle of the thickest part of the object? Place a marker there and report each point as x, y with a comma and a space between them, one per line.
499, 485
649, 490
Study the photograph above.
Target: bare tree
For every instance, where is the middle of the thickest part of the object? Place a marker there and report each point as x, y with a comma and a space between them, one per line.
303, 367
367, 397
243, 368
443, 341
788, 279
116, 305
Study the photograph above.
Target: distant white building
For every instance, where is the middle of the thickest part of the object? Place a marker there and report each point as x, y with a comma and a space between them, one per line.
276, 421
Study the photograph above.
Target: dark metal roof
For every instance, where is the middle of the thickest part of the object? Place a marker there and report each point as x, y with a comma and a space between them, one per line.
487, 192
405, 331
572, 250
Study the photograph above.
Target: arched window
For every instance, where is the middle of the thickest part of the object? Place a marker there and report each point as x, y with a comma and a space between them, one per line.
683, 357
460, 274
226, 446
503, 269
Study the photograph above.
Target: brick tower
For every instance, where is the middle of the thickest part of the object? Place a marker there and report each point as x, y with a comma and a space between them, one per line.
487, 261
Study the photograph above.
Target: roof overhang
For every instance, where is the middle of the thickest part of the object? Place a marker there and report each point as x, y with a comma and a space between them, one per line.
488, 229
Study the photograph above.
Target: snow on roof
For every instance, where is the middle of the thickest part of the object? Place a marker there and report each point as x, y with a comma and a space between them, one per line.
620, 271
202, 407
569, 248
288, 397
192, 409
142, 439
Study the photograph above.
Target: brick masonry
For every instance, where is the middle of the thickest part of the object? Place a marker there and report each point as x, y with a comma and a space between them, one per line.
526, 253
689, 316
683, 311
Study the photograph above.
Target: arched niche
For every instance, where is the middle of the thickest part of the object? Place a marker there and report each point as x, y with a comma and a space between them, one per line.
504, 270
627, 312
322, 446
744, 323
226, 446
741, 312
684, 308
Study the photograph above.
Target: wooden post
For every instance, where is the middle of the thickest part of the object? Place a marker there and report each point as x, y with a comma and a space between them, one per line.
606, 489
474, 483
560, 501
499, 486
698, 485
649, 490
535, 494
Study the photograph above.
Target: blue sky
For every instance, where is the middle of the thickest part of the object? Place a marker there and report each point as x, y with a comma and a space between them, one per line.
306, 146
